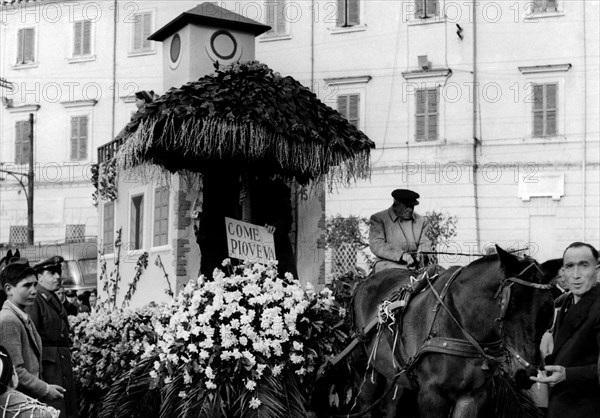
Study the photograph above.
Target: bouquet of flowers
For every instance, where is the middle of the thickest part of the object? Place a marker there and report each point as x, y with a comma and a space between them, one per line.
245, 344
105, 345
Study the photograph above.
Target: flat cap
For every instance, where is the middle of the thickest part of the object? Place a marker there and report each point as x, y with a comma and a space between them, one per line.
71, 293
53, 264
408, 197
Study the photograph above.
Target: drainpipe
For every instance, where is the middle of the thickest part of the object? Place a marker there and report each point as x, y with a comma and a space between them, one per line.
475, 138
584, 139
114, 69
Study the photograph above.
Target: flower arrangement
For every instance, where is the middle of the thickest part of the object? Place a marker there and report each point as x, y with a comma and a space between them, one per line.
104, 178
105, 345
245, 344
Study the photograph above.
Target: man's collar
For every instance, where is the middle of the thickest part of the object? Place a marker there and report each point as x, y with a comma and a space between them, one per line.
395, 217
18, 311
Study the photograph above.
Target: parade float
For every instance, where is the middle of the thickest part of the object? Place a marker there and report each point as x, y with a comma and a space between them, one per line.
242, 339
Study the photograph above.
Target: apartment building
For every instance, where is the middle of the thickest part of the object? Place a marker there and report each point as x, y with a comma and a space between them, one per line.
488, 109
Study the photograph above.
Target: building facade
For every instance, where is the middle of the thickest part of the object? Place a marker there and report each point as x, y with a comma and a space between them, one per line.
488, 109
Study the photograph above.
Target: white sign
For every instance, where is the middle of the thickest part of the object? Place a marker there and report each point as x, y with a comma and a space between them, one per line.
249, 242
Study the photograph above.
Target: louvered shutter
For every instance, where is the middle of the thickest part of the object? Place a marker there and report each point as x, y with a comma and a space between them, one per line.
86, 40
147, 31
551, 109
538, 110
432, 114
74, 137
83, 138
19, 136
20, 46
430, 8
25, 141
270, 16
77, 36
29, 49
419, 8
353, 109
280, 17
353, 12
421, 99
342, 105
108, 227
341, 12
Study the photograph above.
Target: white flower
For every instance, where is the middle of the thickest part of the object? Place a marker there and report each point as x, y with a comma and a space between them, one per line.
250, 385
277, 370
255, 403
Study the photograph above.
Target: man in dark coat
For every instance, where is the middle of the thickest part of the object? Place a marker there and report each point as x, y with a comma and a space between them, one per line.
572, 367
50, 319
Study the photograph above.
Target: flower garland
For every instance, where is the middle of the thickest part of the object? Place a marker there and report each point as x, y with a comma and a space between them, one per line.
105, 178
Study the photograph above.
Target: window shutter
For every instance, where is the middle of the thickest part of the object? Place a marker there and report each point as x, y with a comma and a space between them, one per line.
19, 142
147, 31
341, 12
29, 50
551, 5
280, 17
161, 216
551, 96
538, 5
421, 101
87, 38
538, 97
342, 105
420, 128
353, 109
74, 137
21, 46
432, 111
430, 8
353, 12
270, 15
25, 129
419, 8
108, 226
138, 28
77, 35
83, 138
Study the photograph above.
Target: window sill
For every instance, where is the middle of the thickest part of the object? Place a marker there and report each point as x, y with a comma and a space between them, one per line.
532, 17
83, 58
427, 142
273, 38
417, 21
347, 29
141, 53
161, 248
77, 162
25, 66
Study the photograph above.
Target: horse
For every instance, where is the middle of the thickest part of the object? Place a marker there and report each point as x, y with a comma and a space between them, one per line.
461, 328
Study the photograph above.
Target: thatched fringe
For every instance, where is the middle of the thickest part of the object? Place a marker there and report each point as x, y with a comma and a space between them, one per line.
221, 138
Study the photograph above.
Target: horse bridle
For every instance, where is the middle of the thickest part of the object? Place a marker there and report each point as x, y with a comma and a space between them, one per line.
505, 289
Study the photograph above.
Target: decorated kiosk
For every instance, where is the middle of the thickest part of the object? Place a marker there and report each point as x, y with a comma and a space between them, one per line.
241, 144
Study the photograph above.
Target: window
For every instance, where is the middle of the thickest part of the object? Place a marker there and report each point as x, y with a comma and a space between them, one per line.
108, 226
75, 233
22, 142
18, 234
142, 29
136, 222
26, 46
348, 13
348, 106
79, 138
427, 115
544, 109
544, 6
276, 17
82, 38
161, 216
426, 8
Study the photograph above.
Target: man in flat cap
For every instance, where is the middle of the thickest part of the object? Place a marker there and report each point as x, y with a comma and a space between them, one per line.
397, 235
50, 319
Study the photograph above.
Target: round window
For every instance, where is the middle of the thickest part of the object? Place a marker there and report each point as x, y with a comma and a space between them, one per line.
223, 44
175, 47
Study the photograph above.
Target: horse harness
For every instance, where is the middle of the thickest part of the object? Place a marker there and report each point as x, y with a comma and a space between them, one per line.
469, 347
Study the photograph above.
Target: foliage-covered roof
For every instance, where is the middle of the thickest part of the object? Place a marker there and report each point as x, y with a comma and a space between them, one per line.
251, 116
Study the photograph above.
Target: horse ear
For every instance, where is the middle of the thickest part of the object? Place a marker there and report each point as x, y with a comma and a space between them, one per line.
550, 268
17, 254
509, 262
9, 255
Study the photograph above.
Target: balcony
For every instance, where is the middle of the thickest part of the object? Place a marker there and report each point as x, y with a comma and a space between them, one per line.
108, 151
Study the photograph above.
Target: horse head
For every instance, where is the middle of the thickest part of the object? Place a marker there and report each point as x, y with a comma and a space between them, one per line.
526, 311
